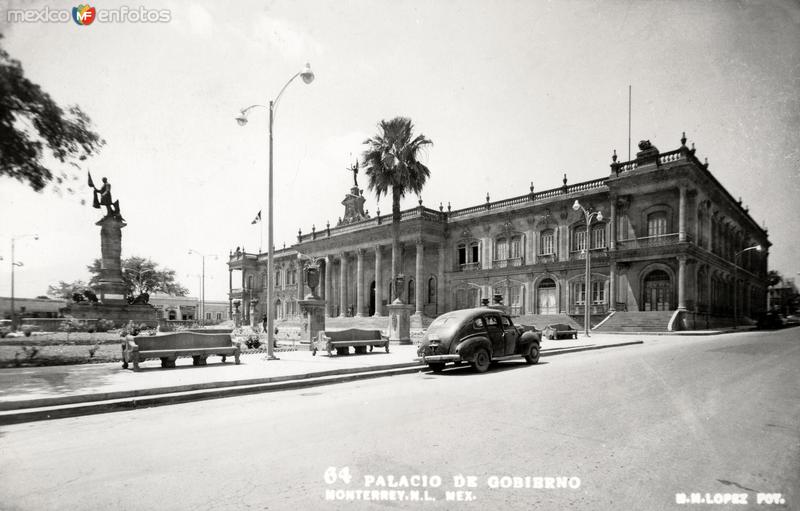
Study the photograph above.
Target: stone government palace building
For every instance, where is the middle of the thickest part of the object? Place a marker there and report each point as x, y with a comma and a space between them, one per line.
668, 241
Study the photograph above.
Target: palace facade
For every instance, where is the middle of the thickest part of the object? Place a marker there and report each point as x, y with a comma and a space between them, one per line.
671, 238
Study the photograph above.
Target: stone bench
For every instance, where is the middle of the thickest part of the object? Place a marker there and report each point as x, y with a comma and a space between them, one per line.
342, 340
181, 344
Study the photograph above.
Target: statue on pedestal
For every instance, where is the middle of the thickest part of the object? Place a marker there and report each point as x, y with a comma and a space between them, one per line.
102, 197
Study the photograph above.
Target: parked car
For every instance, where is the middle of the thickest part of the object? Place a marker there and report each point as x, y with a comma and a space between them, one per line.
5, 327
560, 331
769, 320
478, 336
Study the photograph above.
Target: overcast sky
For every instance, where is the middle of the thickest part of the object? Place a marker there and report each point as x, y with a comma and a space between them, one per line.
509, 92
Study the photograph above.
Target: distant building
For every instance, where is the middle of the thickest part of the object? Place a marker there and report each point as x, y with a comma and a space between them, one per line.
188, 308
31, 307
668, 241
784, 297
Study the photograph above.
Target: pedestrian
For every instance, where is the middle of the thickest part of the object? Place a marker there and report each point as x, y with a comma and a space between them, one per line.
264, 323
275, 341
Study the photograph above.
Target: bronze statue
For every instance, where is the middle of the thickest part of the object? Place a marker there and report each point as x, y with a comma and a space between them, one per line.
90, 295
354, 170
102, 197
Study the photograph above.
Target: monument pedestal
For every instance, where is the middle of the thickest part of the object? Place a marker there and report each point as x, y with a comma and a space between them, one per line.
313, 309
400, 322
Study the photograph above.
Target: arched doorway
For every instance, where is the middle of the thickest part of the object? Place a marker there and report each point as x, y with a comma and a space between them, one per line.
657, 291
548, 297
372, 299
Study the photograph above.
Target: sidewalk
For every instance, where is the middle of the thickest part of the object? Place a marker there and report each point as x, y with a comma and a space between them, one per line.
34, 393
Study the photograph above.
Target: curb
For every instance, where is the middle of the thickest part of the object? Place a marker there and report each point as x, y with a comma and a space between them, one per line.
74, 406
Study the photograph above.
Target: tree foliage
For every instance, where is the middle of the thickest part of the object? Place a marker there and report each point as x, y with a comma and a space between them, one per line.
391, 161
65, 290
33, 128
142, 275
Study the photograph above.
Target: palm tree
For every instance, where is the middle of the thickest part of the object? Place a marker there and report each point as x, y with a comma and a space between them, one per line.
391, 161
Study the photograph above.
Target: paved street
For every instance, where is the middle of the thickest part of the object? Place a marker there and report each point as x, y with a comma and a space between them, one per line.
630, 427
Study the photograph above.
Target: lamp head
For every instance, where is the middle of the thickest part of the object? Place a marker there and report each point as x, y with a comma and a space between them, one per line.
599, 216
307, 74
758, 248
576, 206
242, 118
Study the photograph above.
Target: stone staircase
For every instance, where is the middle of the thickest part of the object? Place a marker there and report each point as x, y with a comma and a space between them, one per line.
540, 321
652, 321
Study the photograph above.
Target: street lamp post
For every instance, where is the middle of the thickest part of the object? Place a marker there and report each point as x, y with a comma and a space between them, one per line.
202, 284
308, 76
13, 265
589, 215
736, 282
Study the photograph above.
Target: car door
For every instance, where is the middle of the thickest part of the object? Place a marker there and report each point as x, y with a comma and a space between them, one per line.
510, 334
495, 331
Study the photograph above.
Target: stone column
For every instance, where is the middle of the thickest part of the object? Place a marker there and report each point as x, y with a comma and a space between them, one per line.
327, 293
533, 244
418, 278
682, 282
230, 290
378, 281
343, 285
301, 286
612, 245
360, 283
612, 286
441, 303
682, 214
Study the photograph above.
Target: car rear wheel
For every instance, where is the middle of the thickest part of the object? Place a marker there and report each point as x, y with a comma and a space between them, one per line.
482, 361
533, 354
436, 367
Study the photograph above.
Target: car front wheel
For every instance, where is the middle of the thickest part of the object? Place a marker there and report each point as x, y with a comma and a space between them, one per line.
533, 354
482, 361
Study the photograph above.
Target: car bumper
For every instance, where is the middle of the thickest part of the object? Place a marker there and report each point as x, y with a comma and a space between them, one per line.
433, 359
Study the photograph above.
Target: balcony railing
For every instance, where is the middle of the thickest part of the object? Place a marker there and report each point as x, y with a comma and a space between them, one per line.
470, 266
598, 254
507, 263
648, 241
546, 258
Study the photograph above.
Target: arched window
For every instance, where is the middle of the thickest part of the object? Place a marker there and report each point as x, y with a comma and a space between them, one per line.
579, 238
432, 290
468, 255
412, 298
277, 278
501, 249
599, 235
249, 282
547, 242
657, 223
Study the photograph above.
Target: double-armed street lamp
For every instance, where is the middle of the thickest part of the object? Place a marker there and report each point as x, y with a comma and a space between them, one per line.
589, 215
203, 284
308, 76
757, 248
14, 264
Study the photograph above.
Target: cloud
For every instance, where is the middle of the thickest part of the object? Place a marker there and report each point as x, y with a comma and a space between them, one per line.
286, 37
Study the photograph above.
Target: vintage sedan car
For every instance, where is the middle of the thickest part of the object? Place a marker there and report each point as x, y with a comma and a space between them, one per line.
560, 331
479, 336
